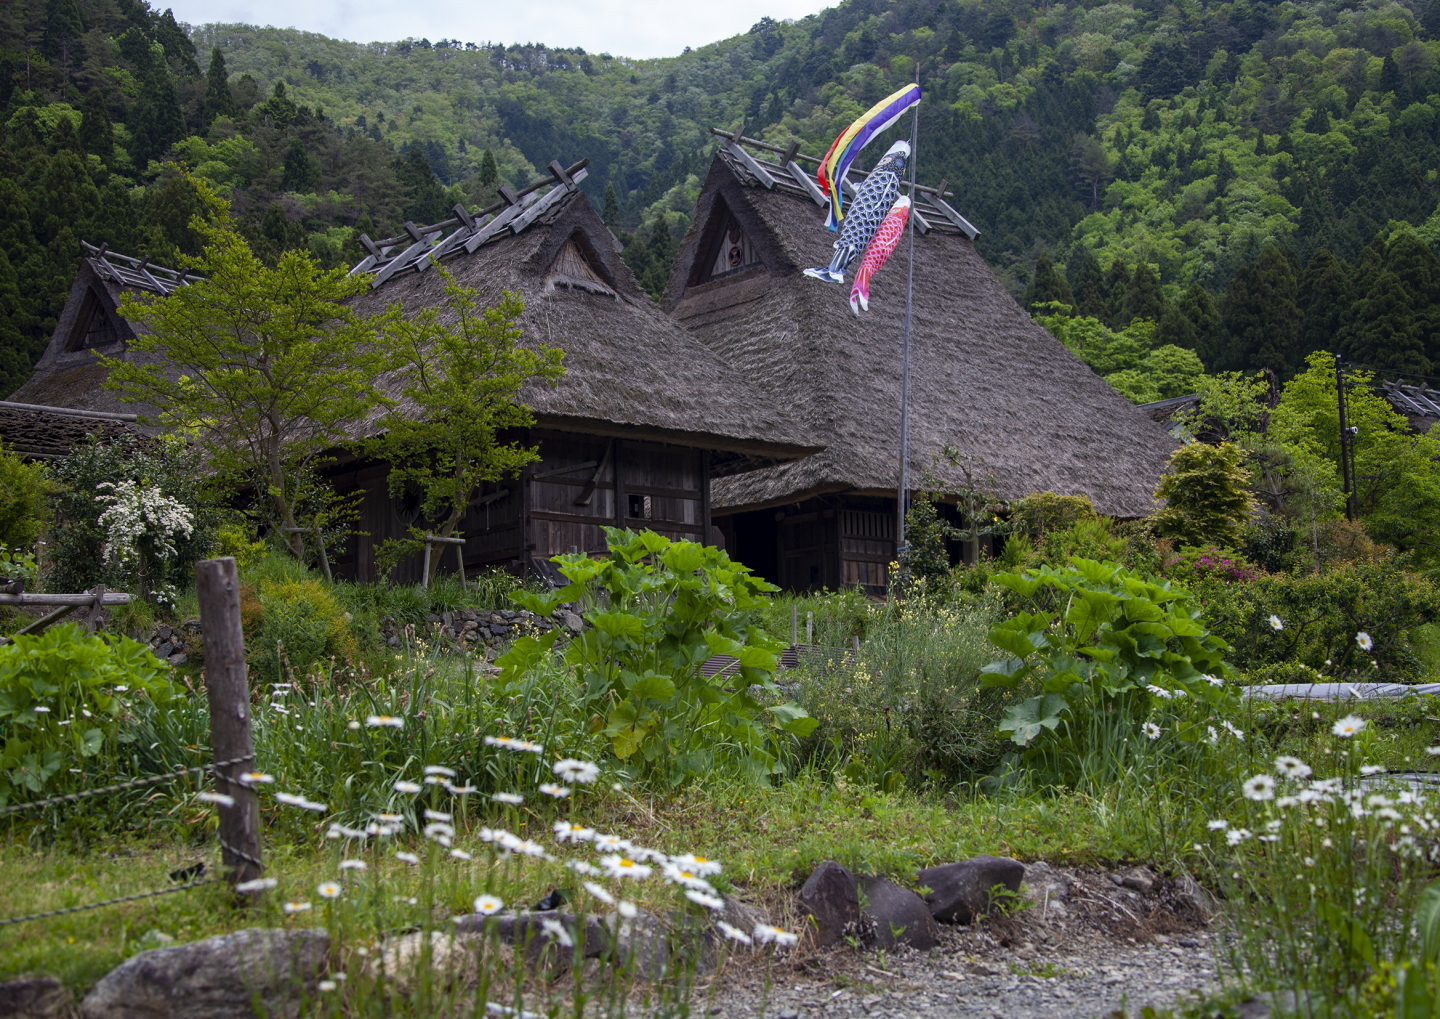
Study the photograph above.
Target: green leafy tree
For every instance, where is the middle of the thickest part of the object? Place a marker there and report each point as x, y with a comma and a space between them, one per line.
460, 383
1117, 289
23, 488
266, 367
1397, 473
611, 213
1206, 489
1382, 331
302, 172
1324, 301
1190, 323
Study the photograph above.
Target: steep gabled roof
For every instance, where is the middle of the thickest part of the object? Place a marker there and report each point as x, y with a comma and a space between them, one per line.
985, 377
630, 369
69, 373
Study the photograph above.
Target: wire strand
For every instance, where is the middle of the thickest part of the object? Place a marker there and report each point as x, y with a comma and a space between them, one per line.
134, 783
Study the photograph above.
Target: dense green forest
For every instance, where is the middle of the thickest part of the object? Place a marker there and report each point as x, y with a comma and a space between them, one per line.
1259, 180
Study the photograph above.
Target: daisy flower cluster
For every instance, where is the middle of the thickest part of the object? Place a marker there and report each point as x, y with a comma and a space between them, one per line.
1290, 794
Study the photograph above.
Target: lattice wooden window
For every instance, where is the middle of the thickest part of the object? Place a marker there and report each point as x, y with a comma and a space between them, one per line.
94, 326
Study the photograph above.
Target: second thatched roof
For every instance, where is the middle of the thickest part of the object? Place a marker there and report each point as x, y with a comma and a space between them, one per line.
985, 377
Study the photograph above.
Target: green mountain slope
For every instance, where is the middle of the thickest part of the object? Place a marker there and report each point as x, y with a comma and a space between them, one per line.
1272, 167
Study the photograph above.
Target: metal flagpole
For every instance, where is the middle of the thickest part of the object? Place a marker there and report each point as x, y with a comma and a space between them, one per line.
903, 495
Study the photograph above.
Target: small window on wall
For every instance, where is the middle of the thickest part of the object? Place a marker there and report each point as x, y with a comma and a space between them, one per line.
94, 327
641, 508
730, 250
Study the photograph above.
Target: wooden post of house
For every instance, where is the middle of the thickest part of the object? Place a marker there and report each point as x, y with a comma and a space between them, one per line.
217, 584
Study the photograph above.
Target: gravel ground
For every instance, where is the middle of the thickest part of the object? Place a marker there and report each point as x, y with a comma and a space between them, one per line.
1085, 947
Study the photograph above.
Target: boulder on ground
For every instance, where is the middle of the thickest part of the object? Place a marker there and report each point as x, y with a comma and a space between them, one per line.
897, 915
33, 997
223, 977
641, 941
959, 892
830, 899
530, 929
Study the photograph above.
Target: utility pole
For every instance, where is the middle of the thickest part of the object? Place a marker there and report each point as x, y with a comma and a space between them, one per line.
1346, 440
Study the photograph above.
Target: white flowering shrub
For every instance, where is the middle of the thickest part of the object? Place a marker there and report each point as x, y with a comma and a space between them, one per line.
132, 514
141, 526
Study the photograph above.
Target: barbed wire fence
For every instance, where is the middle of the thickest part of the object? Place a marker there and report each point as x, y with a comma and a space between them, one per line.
231, 742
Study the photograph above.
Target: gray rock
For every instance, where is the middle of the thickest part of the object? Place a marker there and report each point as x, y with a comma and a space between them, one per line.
218, 978
640, 941
959, 892
1138, 879
829, 897
163, 632
165, 650
572, 621
34, 997
178, 659
899, 916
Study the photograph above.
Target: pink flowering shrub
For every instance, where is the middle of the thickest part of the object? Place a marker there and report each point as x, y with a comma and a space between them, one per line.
1210, 563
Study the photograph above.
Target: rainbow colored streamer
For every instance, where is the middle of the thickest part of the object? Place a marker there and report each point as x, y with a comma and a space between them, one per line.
854, 138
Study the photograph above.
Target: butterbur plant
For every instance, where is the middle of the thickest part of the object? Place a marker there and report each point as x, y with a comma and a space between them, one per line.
658, 611
62, 697
1106, 643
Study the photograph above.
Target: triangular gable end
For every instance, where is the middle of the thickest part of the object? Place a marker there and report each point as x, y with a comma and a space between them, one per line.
572, 269
726, 248
95, 327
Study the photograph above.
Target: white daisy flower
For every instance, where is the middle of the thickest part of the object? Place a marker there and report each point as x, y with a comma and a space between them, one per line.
295, 907
352, 725
1235, 836
220, 798
581, 867
686, 878
1291, 767
328, 890
406, 787
259, 884
40, 709
1363, 639
766, 934
627, 909
409, 858
1219, 824
619, 866
600, 892
436, 769
1275, 623
698, 864
1372, 769
1213, 680
1433, 751
1237, 733
1259, 787
572, 770
353, 865
386, 721
510, 798
733, 933
439, 830
489, 905
326, 986
389, 818
1152, 730
460, 854
567, 832
557, 791
556, 930
612, 843
436, 815
702, 899
1348, 726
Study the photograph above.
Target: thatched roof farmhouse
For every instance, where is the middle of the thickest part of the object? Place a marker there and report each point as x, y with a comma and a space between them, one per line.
644, 419
985, 377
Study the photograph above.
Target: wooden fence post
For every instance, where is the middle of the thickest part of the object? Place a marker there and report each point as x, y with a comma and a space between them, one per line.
218, 586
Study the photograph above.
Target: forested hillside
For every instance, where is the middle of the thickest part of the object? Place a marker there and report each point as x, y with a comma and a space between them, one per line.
1258, 179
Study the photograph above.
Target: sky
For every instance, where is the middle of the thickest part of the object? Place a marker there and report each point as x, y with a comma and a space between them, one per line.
624, 28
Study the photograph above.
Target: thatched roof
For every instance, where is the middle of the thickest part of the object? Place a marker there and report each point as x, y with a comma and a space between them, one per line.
985, 377
46, 432
69, 374
630, 370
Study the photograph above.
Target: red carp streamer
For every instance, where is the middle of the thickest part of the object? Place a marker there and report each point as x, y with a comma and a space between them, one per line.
877, 251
